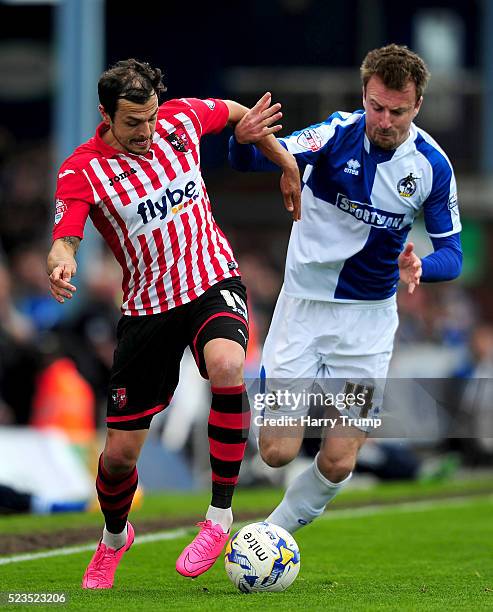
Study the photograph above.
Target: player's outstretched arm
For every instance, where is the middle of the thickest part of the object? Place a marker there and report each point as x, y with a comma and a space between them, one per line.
290, 178
258, 125
61, 267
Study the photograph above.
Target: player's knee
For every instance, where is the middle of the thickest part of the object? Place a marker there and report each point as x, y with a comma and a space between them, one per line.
335, 469
120, 460
225, 370
275, 453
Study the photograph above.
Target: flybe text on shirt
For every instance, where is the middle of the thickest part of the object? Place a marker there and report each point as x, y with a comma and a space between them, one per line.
176, 198
369, 214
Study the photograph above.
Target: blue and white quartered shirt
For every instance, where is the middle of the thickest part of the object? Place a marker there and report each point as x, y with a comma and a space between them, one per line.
358, 205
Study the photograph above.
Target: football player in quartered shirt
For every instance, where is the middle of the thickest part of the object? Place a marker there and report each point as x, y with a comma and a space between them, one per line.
367, 175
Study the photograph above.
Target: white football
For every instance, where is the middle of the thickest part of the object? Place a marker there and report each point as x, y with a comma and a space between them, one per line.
262, 557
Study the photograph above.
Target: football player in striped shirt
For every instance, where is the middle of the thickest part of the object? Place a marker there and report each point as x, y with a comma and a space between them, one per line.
367, 175
139, 179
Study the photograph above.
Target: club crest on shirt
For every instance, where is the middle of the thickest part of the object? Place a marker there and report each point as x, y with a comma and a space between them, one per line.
310, 139
179, 141
406, 187
119, 398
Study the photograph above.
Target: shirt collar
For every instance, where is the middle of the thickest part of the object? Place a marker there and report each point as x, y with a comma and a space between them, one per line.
382, 155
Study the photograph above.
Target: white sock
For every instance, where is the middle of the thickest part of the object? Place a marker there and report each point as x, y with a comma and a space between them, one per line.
220, 516
305, 499
40, 505
114, 540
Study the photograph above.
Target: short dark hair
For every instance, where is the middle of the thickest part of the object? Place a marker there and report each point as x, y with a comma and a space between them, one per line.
395, 65
129, 80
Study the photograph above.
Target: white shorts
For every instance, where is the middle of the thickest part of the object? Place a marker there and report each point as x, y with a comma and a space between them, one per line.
339, 347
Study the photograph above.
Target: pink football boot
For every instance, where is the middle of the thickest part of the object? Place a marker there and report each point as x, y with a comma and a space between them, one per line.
201, 554
100, 572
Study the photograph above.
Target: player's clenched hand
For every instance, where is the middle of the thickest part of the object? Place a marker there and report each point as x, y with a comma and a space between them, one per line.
409, 267
291, 190
259, 121
60, 287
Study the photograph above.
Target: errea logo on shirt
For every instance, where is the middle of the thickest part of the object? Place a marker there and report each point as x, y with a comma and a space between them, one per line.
352, 167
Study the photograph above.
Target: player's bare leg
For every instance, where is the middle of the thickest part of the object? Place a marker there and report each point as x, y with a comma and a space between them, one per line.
116, 485
229, 421
306, 497
339, 451
279, 445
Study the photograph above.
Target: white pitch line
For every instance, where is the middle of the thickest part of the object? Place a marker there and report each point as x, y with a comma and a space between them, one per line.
371, 510
403, 507
73, 550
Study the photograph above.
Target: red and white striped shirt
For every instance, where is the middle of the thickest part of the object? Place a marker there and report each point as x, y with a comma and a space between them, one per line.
152, 210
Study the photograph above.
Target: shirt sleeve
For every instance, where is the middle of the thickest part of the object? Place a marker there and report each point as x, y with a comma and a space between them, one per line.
308, 144
445, 263
212, 114
441, 208
247, 158
73, 199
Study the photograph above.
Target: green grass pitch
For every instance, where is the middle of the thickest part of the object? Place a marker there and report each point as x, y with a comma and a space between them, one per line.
435, 555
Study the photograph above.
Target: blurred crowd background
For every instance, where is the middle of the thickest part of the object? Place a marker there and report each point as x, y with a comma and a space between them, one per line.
55, 360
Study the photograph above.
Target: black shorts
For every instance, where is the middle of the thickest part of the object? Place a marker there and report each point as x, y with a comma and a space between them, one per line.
147, 358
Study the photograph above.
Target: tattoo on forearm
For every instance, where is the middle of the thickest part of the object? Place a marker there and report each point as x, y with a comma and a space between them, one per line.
73, 241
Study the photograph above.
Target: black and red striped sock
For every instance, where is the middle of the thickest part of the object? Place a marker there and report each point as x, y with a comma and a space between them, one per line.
115, 494
229, 423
